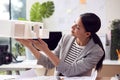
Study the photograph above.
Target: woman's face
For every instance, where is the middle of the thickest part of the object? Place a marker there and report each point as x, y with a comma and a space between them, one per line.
78, 29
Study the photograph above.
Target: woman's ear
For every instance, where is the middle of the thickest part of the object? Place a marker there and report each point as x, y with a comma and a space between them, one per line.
88, 34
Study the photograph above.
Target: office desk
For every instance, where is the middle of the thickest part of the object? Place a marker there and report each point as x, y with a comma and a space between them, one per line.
103, 78
110, 68
26, 64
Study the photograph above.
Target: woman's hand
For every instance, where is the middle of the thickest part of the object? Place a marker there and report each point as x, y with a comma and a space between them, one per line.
40, 44
28, 43
25, 42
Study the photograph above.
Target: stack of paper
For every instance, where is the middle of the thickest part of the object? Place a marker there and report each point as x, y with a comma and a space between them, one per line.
92, 77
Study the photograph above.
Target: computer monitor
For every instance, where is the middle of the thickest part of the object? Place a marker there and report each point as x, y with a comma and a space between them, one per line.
54, 38
4, 42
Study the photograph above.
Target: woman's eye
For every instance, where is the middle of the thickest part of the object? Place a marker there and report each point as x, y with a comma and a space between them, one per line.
77, 27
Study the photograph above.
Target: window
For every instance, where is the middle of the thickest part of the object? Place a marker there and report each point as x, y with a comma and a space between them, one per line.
18, 9
12, 10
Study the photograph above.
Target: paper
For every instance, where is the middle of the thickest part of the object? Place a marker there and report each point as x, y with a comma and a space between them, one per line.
92, 77
114, 78
28, 74
8, 77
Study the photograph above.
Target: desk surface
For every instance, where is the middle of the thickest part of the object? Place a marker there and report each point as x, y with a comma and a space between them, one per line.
33, 64
26, 64
103, 78
16, 77
111, 62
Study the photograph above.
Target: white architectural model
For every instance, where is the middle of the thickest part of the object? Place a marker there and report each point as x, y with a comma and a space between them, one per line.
22, 29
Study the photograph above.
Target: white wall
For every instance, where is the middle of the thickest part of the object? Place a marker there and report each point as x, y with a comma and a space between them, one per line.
112, 10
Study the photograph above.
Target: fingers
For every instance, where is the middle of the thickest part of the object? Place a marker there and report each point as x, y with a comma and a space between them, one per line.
40, 40
24, 42
19, 40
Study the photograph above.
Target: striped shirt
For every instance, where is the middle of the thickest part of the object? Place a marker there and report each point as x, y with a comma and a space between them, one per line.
73, 53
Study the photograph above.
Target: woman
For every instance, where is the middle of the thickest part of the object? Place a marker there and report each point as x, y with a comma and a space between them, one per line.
76, 54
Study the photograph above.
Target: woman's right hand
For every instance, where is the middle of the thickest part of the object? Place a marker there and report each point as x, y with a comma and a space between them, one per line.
28, 43
25, 42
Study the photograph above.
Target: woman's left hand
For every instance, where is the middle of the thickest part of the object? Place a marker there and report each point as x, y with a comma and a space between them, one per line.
25, 42
40, 44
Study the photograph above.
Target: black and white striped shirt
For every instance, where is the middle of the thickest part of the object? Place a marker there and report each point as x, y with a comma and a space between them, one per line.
73, 53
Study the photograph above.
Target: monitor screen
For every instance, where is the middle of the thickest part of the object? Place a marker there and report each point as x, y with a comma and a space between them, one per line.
54, 38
